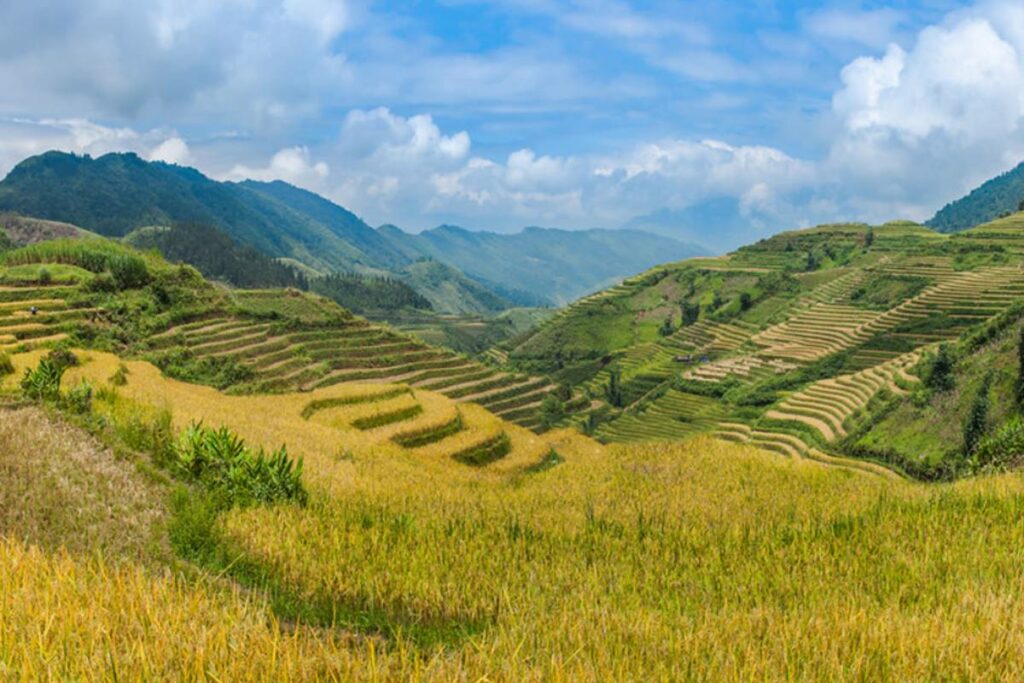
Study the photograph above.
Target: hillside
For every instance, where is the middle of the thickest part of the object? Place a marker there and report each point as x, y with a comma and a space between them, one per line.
236, 485
117, 193
995, 198
683, 561
550, 265
799, 343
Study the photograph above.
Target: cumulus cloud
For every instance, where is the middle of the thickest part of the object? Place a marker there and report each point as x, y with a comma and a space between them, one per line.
293, 165
172, 151
920, 125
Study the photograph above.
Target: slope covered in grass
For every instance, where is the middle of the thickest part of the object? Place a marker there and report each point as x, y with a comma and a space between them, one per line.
694, 561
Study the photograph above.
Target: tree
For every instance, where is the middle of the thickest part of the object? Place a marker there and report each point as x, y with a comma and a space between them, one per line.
716, 301
1020, 206
746, 301
613, 390
666, 327
691, 312
977, 420
1020, 369
869, 237
812, 261
940, 374
552, 411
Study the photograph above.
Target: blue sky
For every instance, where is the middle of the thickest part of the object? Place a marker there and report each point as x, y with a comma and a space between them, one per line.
713, 121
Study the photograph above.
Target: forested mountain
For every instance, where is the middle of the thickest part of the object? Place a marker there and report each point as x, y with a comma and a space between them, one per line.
117, 193
559, 265
216, 255
996, 198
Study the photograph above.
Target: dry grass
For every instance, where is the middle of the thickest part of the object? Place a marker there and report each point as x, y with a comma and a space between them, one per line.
58, 487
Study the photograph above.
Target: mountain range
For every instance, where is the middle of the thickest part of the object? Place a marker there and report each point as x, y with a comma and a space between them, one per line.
116, 194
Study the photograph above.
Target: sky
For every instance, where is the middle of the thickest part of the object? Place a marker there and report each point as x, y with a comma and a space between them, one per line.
715, 121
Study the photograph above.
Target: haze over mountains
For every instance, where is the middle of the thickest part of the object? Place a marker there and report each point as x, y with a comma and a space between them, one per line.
117, 193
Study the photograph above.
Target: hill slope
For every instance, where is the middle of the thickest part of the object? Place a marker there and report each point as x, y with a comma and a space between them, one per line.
997, 197
557, 265
117, 193
796, 343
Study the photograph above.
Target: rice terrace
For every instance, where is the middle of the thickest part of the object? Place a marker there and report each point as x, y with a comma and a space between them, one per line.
753, 411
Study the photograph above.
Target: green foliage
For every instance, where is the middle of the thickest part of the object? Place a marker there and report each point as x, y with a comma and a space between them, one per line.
217, 256
78, 399
215, 371
125, 268
667, 328
363, 294
120, 376
977, 420
1019, 387
939, 375
690, 312
43, 382
998, 196
613, 389
552, 411
221, 462
1004, 448
6, 365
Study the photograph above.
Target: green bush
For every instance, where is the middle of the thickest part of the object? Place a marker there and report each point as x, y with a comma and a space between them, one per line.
79, 398
220, 461
6, 366
43, 382
1004, 448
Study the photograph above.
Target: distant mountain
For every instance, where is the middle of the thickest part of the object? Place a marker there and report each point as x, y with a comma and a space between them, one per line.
559, 265
717, 223
117, 193
994, 199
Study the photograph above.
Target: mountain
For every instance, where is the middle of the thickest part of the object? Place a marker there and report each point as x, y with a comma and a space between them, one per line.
996, 198
216, 255
557, 265
717, 223
447, 289
117, 193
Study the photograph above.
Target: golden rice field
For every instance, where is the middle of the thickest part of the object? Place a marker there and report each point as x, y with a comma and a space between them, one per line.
700, 560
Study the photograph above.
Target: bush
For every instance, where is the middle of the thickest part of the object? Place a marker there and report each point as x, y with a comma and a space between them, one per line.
43, 383
44, 277
1004, 448
120, 376
220, 461
79, 398
977, 420
6, 366
939, 376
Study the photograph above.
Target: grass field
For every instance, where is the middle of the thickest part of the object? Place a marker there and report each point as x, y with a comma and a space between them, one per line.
693, 561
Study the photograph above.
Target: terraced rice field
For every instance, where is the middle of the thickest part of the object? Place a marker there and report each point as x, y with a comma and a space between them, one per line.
54, 319
326, 421
356, 351
793, 447
826, 405
676, 415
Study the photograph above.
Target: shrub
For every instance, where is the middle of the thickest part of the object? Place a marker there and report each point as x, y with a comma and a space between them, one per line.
6, 366
120, 376
128, 270
939, 376
79, 398
44, 277
977, 420
1005, 447
43, 382
220, 461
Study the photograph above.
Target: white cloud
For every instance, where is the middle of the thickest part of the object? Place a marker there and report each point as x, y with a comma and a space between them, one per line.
873, 28
293, 165
172, 151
